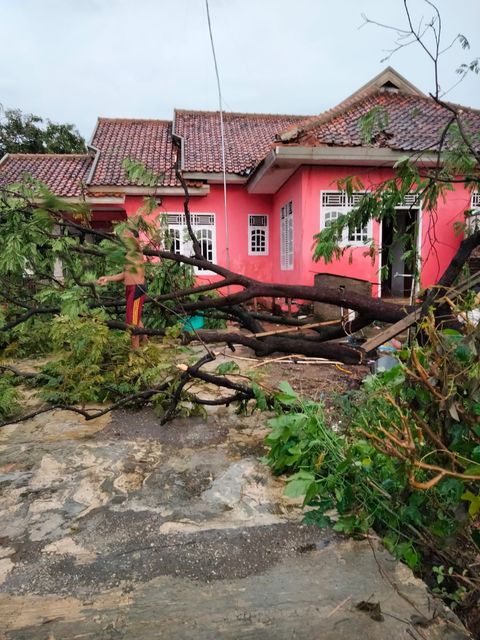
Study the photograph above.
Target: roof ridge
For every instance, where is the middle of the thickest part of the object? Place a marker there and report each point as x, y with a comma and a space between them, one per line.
241, 113
156, 120
48, 155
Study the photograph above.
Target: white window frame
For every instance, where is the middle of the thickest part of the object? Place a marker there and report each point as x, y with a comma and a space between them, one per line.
473, 220
202, 223
333, 204
256, 230
286, 236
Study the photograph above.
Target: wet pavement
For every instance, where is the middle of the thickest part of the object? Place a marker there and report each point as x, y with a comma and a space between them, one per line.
120, 528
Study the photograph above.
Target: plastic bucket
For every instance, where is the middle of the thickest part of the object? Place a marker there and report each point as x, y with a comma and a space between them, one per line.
192, 323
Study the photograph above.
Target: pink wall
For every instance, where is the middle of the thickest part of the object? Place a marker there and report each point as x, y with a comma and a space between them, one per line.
239, 205
303, 189
439, 241
291, 190
354, 262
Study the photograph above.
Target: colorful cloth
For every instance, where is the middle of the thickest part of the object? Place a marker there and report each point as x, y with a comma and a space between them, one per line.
135, 295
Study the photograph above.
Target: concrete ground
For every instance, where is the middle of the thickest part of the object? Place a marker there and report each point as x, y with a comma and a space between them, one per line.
120, 528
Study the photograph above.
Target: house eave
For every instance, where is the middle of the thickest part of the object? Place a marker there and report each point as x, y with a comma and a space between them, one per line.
283, 161
114, 201
104, 200
149, 191
215, 178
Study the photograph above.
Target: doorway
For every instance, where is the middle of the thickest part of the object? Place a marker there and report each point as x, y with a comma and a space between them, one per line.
399, 253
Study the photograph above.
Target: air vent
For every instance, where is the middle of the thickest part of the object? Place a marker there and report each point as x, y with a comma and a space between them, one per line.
258, 221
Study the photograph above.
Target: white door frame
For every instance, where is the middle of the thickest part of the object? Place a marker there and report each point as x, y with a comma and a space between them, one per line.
418, 247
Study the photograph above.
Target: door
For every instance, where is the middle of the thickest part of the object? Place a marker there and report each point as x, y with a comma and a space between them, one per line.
399, 253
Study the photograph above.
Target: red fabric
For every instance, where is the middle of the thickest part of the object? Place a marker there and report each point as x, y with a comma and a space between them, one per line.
135, 296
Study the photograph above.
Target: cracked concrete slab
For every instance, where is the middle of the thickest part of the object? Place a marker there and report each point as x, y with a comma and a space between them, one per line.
125, 529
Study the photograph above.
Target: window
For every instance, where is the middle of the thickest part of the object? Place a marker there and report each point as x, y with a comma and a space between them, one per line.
473, 220
257, 235
286, 237
337, 203
178, 240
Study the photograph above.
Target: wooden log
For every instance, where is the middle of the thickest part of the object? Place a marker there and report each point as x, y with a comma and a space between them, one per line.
313, 325
390, 332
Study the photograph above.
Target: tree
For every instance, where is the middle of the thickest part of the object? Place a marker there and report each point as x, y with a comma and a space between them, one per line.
28, 133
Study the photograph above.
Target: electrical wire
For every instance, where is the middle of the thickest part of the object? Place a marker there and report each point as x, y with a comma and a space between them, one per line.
222, 141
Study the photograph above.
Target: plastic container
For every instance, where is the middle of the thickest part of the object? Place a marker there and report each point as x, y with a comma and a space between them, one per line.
192, 323
385, 363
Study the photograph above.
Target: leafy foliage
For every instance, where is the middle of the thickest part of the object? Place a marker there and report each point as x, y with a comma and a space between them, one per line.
27, 133
29, 339
49, 264
425, 412
9, 397
96, 364
408, 464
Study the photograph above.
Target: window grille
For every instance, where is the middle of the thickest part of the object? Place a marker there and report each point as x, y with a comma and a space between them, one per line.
286, 237
205, 238
473, 220
178, 239
410, 200
334, 199
173, 240
358, 235
257, 235
175, 218
330, 216
335, 204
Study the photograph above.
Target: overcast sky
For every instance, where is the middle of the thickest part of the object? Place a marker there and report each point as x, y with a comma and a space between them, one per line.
75, 60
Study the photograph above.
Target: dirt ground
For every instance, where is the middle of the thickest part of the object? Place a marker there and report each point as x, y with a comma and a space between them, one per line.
315, 381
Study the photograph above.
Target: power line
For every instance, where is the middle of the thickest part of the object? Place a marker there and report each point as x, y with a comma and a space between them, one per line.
222, 140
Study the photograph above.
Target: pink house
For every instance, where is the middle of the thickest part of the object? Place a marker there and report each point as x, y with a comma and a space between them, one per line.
281, 175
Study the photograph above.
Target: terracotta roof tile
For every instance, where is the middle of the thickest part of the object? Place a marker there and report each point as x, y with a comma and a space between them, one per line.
147, 141
63, 174
405, 123
248, 138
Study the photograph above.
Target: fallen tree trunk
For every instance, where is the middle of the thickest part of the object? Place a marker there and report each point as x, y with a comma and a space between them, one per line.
301, 345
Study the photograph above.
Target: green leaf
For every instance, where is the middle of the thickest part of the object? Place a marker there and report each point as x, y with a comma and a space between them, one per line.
346, 524
318, 518
227, 367
472, 470
298, 488
406, 551
474, 500
287, 395
259, 397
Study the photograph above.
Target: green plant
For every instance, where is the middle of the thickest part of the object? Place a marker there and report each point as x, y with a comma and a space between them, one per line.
442, 575
353, 486
29, 339
425, 412
9, 397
